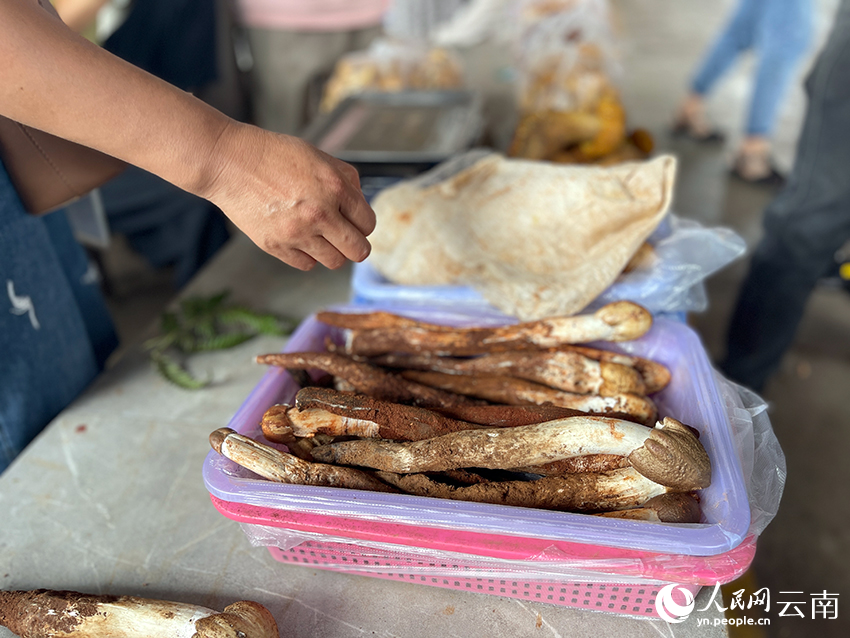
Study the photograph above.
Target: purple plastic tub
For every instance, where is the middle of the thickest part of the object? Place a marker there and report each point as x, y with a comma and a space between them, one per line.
691, 397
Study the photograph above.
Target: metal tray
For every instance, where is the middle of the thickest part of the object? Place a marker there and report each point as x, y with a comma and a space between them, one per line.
403, 128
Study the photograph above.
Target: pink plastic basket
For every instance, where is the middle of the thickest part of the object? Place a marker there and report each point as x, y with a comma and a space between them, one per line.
556, 557
692, 396
529, 555
633, 599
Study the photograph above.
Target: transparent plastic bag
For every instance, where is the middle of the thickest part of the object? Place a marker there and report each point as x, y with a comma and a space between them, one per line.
566, 56
761, 456
686, 254
390, 65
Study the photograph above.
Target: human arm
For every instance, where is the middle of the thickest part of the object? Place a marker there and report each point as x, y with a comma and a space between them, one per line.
292, 200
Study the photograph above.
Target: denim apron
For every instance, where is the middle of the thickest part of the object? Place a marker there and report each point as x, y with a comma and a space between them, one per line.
55, 329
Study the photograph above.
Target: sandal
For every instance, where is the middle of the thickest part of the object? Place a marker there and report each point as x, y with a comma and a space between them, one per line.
685, 129
773, 179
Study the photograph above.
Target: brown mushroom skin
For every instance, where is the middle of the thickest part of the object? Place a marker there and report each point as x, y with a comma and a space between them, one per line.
674, 457
58, 614
673, 507
395, 421
242, 619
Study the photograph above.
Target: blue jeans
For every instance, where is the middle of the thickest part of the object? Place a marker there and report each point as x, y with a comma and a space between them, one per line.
779, 31
804, 225
55, 330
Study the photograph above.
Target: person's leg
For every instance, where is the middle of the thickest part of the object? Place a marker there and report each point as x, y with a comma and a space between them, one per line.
783, 37
807, 222
738, 36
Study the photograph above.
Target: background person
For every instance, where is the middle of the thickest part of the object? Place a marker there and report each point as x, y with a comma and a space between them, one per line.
804, 226
779, 32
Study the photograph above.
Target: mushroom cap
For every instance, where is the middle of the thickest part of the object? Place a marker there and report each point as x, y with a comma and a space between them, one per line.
675, 507
673, 457
217, 438
630, 319
242, 618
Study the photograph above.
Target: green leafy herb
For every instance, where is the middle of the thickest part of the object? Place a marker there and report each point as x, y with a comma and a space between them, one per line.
202, 324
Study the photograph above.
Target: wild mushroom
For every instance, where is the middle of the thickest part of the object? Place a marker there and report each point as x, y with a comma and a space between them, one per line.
511, 415
41, 612
513, 391
673, 507
618, 321
327, 411
655, 375
394, 420
560, 369
281, 467
364, 377
668, 454
577, 464
586, 492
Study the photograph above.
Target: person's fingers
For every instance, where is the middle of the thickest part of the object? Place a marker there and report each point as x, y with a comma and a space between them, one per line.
350, 173
347, 239
295, 258
325, 253
359, 213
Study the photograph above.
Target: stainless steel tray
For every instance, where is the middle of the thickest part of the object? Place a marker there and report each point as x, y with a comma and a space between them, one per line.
407, 127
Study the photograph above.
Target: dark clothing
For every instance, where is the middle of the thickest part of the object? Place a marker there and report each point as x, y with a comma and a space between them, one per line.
804, 226
167, 225
173, 39
55, 330
176, 41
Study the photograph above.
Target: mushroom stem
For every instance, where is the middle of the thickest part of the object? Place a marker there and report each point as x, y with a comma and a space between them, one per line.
587, 492
618, 321
656, 376
511, 415
673, 507
513, 391
393, 420
279, 422
281, 467
559, 369
675, 457
40, 613
364, 377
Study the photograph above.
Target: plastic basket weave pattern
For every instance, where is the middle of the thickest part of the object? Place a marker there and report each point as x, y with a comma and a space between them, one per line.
633, 599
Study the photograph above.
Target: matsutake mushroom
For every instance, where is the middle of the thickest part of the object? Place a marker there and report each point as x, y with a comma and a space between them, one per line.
668, 454
618, 321
618, 489
559, 369
281, 467
513, 391
364, 377
328, 411
673, 507
40, 613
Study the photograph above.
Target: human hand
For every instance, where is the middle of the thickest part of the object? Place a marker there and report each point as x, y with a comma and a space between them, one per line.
292, 200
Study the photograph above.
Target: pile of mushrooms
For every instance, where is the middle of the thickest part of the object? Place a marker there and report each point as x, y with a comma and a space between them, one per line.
516, 415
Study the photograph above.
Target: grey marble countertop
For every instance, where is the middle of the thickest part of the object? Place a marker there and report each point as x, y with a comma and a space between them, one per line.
109, 499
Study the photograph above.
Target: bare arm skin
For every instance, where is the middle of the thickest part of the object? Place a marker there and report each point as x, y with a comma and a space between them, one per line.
292, 200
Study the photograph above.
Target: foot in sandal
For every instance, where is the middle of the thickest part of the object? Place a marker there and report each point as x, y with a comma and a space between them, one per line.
753, 163
692, 122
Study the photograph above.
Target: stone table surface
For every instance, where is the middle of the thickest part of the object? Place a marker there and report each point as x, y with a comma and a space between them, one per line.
109, 499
